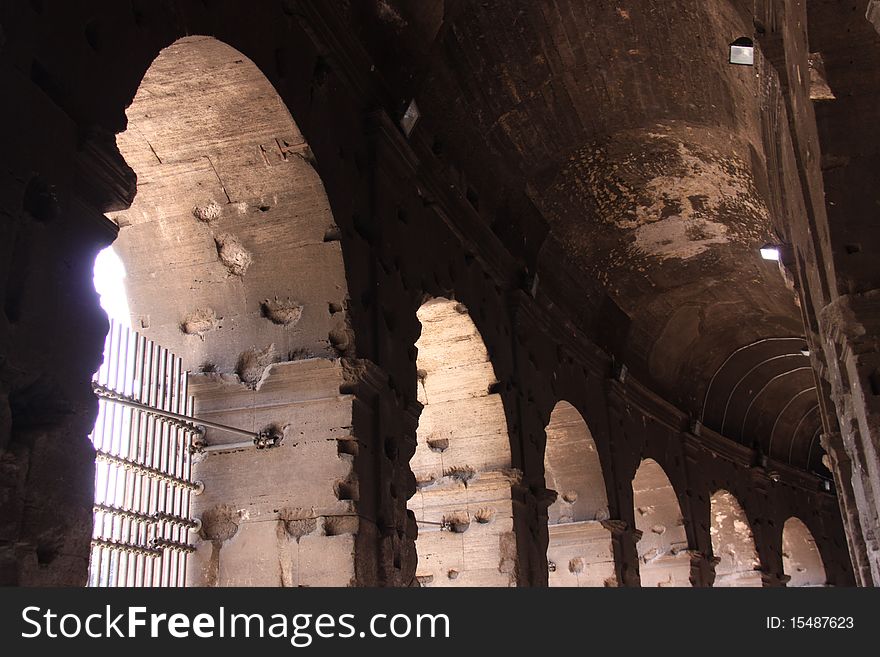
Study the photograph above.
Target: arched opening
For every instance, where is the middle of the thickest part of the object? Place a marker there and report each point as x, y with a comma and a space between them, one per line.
233, 262
663, 547
733, 544
462, 461
801, 560
580, 551
224, 244
109, 280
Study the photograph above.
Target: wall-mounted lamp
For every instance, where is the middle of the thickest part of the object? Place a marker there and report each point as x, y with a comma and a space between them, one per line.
770, 252
410, 117
742, 51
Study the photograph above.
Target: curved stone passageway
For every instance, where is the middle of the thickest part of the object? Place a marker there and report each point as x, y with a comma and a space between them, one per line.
525, 337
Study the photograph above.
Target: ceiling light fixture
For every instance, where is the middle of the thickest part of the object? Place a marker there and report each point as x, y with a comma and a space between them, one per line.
770, 252
742, 52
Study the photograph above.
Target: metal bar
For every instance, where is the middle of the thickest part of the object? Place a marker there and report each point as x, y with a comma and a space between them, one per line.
161, 460
150, 451
137, 434
178, 533
123, 489
173, 545
114, 545
171, 530
170, 493
226, 447
116, 524
95, 563
156, 475
99, 557
169, 435
111, 396
189, 408
143, 517
107, 445
131, 478
144, 445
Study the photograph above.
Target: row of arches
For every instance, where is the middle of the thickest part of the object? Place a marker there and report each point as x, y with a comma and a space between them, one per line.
463, 502
253, 276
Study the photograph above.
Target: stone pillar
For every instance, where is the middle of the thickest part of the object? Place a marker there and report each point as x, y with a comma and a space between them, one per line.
384, 431
770, 579
702, 568
842, 468
850, 327
529, 518
55, 183
624, 538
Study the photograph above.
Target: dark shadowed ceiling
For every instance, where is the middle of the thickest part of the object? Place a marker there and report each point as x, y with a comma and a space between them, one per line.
624, 132
850, 135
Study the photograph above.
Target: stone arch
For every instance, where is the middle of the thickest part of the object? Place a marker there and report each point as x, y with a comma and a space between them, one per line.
462, 460
664, 558
580, 551
230, 246
801, 559
733, 543
234, 262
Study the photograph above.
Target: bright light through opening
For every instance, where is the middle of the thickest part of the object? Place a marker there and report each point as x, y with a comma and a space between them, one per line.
770, 252
110, 285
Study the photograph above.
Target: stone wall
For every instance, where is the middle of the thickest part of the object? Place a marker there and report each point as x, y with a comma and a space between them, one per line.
404, 234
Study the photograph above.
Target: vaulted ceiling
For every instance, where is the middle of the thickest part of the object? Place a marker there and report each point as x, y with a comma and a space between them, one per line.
621, 132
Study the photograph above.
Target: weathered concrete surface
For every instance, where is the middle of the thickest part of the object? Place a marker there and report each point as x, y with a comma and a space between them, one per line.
295, 506
508, 91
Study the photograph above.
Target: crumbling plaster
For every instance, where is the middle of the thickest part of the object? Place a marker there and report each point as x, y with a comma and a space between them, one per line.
404, 235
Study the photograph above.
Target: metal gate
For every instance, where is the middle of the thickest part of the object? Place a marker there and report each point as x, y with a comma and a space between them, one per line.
143, 475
